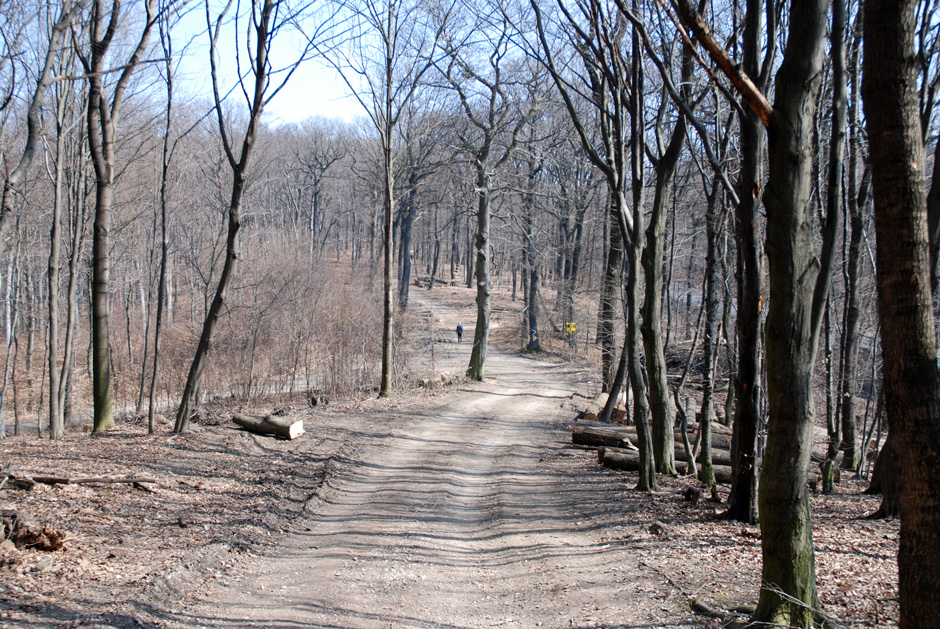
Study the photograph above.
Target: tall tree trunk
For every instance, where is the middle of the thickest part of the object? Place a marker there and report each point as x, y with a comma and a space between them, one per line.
102, 119
638, 379
388, 309
436, 255
78, 194
56, 422
652, 260
706, 473
484, 286
166, 41
408, 220
857, 197
261, 25
837, 151
798, 289
610, 313
100, 303
631, 356
532, 309
742, 503
911, 375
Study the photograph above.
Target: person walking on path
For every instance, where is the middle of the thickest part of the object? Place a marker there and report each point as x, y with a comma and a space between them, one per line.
459, 333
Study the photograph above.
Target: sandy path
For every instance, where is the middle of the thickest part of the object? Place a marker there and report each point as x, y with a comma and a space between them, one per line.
472, 513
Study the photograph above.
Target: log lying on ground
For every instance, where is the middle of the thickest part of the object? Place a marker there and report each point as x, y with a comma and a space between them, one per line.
608, 435
618, 435
720, 440
270, 425
594, 409
719, 457
19, 480
629, 461
86, 480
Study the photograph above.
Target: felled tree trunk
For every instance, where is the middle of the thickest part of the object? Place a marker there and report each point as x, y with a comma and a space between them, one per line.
629, 461
602, 436
270, 425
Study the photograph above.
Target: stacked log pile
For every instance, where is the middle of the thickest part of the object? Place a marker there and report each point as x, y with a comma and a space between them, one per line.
617, 446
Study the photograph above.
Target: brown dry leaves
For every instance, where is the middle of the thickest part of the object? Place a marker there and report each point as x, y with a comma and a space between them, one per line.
218, 488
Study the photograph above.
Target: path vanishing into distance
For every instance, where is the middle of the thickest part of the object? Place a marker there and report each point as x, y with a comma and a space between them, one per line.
471, 510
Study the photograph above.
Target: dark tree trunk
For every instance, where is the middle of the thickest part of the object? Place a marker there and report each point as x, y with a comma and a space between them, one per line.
884, 481
408, 220
610, 299
631, 360
798, 288
652, 260
484, 285
706, 473
532, 289
857, 195
911, 376
239, 166
749, 275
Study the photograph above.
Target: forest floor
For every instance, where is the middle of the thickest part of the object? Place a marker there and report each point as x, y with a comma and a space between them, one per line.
463, 505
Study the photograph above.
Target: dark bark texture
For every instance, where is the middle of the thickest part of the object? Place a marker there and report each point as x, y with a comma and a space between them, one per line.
788, 593
911, 376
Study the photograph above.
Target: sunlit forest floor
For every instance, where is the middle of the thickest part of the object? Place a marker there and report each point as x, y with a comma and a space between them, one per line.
224, 502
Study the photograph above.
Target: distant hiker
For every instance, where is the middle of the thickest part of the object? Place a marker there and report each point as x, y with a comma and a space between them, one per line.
459, 333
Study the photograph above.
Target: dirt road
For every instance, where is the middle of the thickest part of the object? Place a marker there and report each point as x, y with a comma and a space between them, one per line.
465, 506
473, 513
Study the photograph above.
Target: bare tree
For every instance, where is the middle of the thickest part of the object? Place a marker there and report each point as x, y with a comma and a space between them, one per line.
390, 50
67, 119
103, 115
610, 82
799, 290
499, 97
68, 11
258, 84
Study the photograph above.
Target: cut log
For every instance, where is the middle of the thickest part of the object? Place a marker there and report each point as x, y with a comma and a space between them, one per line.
719, 457
720, 440
86, 480
601, 436
270, 425
595, 408
629, 461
